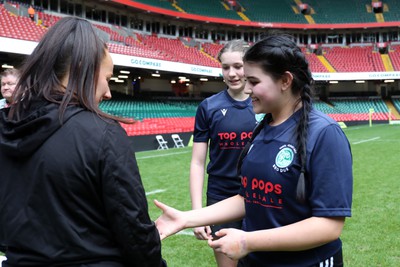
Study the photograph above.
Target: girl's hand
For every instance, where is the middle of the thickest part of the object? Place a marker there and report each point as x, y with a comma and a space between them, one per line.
202, 233
232, 242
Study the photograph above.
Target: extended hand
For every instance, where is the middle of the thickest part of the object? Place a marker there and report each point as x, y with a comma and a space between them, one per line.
170, 222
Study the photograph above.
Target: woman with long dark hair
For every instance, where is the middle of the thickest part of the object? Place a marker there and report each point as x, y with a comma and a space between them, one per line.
71, 193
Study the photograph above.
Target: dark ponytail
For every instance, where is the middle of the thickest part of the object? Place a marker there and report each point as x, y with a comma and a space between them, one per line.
276, 55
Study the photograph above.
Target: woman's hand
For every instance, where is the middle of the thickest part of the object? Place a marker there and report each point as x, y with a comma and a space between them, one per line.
231, 242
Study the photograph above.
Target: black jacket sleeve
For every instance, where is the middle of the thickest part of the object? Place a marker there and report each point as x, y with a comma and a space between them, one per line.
125, 201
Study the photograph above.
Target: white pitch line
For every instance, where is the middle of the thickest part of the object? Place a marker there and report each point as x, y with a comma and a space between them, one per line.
163, 155
186, 232
155, 192
367, 140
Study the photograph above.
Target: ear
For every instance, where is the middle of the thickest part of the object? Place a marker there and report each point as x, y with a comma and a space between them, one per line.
287, 79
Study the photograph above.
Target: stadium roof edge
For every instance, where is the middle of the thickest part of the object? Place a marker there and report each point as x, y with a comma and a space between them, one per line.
275, 25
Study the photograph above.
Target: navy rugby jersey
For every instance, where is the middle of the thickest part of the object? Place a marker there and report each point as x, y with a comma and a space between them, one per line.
228, 125
270, 174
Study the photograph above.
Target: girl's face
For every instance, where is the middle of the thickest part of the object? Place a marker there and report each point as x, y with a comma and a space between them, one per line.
105, 73
265, 92
232, 70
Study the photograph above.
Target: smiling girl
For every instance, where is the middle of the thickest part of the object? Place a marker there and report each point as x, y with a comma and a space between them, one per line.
296, 172
224, 123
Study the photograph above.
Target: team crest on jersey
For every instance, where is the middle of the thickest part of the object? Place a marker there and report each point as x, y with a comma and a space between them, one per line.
284, 158
224, 110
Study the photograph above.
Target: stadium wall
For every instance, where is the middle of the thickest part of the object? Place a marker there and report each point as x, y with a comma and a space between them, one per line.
149, 142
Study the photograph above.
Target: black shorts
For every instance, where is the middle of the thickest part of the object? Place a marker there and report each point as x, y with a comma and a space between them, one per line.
334, 261
217, 227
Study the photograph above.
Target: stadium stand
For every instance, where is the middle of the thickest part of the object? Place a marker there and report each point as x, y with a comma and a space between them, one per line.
212, 49
136, 50
355, 109
47, 20
354, 59
159, 117
18, 27
394, 54
324, 107
341, 11
151, 116
277, 11
178, 51
210, 8
313, 61
139, 109
396, 102
160, 126
152, 46
393, 10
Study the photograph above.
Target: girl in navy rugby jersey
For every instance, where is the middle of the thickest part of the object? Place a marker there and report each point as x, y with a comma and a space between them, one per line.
296, 172
224, 124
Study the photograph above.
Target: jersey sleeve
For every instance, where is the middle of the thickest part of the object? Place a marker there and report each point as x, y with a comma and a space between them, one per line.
125, 202
201, 126
330, 169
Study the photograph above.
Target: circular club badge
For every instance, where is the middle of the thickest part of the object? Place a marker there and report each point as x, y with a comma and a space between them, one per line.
284, 158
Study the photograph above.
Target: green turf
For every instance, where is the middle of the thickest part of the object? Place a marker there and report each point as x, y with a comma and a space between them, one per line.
372, 236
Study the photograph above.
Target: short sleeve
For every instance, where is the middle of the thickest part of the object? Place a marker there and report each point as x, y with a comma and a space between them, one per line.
330, 172
201, 126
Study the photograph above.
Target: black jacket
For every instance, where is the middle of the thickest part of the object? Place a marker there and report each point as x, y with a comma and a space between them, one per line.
71, 194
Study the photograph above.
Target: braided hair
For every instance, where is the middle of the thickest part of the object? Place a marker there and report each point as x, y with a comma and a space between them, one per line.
276, 55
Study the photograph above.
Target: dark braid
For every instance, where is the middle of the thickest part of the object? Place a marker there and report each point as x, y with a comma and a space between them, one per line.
303, 80
302, 132
276, 55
